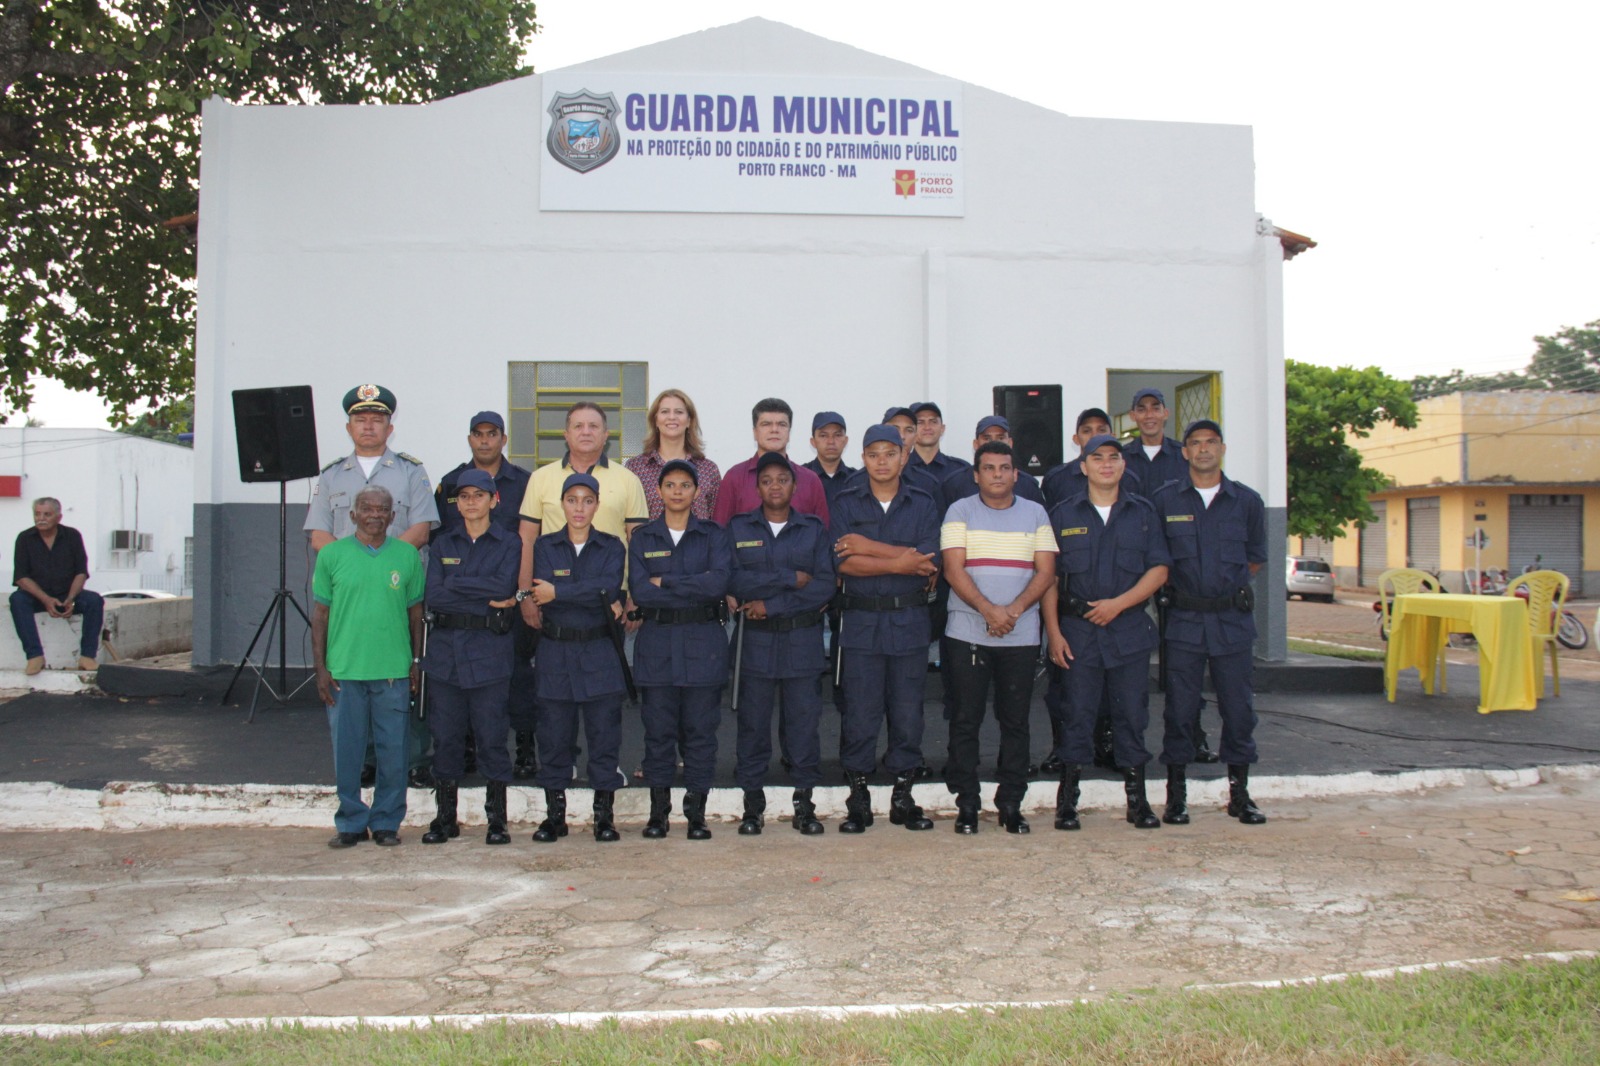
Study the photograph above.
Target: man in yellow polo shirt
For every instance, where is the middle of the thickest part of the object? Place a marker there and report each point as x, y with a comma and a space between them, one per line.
622, 503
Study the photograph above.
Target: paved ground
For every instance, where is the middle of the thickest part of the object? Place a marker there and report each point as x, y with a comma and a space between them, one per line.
250, 923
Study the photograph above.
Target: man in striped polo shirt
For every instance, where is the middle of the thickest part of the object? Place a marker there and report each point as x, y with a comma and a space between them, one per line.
1000, 558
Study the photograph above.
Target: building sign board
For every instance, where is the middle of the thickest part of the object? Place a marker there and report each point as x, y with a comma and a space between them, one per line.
827, 146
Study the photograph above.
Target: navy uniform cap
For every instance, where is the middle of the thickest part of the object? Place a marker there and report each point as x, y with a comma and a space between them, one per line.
926, 405
827, 418
491, 417
585, 480
1094, 413
989, 422
369, 398
1142, 393
882, 433
1100, 440
475, 479
774, 459
1201, 423
681, 465
896, 412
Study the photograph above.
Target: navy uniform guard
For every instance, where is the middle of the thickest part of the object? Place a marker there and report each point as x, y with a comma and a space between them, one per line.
963, 482
886, 547
929, 421
1217, 535
369, 419
783, 579
1154, 457
1113, 559
577, 581
486, 437
828, 439
678, 568
471, 599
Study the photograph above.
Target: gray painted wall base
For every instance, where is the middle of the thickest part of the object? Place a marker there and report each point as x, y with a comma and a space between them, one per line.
236, 573
1272, 607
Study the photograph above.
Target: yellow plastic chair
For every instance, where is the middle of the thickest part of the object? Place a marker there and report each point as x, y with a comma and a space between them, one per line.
1404, 581
1547, 594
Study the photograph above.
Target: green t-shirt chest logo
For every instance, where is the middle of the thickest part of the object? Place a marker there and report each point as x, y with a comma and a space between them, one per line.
394, 579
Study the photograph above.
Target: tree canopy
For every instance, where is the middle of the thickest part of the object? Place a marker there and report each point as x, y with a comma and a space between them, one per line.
1569, 359
100, 144
1325, 406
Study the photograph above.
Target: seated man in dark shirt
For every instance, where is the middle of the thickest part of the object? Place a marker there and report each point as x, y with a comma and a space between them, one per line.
51, 568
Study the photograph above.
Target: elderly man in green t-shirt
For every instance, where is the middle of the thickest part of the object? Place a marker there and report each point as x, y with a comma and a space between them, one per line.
366, 639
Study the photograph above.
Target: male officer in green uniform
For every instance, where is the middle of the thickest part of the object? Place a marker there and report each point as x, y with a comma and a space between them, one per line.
369, 413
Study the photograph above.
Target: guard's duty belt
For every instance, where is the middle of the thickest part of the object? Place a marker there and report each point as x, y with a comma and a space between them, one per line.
920, 598
1077, 607
1240, 599
788, 624
572, 633
460, 621
711, 612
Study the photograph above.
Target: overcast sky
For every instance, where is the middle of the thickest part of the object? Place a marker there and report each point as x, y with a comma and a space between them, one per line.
1443, 155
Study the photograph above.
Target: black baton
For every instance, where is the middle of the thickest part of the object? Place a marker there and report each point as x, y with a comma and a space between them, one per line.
738, 657
614, 627
420, 700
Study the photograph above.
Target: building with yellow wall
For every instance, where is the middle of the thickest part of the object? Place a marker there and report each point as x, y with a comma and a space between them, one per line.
1521, 467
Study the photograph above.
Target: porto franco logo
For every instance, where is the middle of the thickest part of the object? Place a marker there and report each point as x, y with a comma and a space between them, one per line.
583, 130
905, 183
394, 579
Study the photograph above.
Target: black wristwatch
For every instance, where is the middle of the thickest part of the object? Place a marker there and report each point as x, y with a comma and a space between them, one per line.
523, 594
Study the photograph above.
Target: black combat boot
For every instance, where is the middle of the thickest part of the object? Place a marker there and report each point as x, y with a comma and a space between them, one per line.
967, 806
444, 826
1240, 805
1140, 816
1053, 764
1202, 746
554, 826
755, 806
494, 812
694, 812
605, 831
1067, 798
527, 763
857, 805
1177, 812
805, 813
1011, 819
902, 810
660, 807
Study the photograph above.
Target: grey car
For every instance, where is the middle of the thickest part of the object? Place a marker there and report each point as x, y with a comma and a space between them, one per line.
1310, 579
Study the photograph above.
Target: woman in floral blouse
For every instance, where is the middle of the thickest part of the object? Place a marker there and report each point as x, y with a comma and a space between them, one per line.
675, 434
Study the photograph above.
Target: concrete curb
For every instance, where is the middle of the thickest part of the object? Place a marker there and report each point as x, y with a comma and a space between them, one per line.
50, 679
133, 805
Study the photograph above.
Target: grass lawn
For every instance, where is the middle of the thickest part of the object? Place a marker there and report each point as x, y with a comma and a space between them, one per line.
1360, 655
1517, 1013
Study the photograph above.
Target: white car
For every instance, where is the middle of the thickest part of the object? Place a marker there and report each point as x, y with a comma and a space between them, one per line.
1310, 579
138, 594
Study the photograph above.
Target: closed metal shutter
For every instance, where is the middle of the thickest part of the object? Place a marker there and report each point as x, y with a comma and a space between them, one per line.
1422, 533
1550, 527
1317, 548
1375, 545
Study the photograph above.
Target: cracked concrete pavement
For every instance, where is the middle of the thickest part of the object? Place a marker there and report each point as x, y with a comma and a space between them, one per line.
240, 923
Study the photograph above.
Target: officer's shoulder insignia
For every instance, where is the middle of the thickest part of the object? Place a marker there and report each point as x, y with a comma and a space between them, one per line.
408, 457
331, 465
1180, 518
658, 555
1075, 531
749, 544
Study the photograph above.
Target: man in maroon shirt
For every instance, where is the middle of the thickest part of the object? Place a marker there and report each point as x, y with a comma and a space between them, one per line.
771, 419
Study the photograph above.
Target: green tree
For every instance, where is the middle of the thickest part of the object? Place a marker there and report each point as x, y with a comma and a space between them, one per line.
1569, 360
100, 143
165, 423
1324, 407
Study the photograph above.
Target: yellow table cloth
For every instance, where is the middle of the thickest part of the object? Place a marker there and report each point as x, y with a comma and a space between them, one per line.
1507, 666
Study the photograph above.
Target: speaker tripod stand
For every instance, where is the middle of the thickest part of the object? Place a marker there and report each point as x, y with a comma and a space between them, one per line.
277, 611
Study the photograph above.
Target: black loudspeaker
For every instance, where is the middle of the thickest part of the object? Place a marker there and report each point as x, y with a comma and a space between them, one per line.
1034, 412
277, 433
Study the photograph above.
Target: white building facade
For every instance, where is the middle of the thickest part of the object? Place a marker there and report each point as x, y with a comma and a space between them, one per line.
131, 498
459, 255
